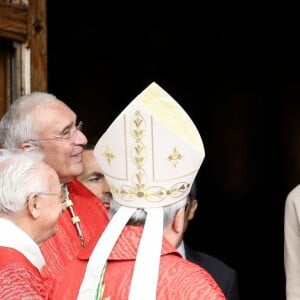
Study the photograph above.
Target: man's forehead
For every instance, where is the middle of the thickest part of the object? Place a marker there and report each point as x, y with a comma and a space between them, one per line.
54, 114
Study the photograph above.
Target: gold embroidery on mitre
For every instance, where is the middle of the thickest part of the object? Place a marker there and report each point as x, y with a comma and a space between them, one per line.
139, 188
174, 157
178, 189
138, 155
108, 155
151, 194
138, 126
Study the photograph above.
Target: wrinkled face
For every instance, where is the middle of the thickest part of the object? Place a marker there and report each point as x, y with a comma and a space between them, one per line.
50, 205
93, 178
60, 140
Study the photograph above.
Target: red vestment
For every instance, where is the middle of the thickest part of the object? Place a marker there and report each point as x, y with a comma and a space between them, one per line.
178, 278
19, 278
65, 245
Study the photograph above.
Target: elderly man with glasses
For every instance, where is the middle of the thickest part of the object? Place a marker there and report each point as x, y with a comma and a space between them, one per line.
31, 202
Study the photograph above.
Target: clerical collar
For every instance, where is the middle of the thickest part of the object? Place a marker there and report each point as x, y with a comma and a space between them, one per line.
181, 249
13, 237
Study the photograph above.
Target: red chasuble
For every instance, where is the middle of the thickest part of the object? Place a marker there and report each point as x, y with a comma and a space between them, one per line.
19, 278
178, 277
65, 245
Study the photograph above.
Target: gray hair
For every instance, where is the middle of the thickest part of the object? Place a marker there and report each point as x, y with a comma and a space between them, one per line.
17, 124
20, 176
139, 217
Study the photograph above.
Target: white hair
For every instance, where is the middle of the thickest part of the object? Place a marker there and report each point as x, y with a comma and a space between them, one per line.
20, 176
139, 217
17, 125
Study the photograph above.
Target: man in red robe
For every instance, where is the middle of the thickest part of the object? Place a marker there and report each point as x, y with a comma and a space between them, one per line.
43, 122
150, 156
31, 202
66, 244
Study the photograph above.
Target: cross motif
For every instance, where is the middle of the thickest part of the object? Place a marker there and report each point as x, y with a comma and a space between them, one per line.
174, 157
108, 155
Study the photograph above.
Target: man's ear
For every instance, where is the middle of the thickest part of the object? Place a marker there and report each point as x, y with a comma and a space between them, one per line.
33, 206
192, 209
178, 221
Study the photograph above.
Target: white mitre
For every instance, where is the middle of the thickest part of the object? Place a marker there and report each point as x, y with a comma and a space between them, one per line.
150, 156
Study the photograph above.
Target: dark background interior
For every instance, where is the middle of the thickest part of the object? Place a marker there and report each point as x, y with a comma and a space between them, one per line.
239, 83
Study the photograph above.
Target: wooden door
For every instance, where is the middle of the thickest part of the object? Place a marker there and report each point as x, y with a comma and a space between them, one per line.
23, 49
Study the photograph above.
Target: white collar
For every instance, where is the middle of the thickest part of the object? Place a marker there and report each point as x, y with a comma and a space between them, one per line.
181, 249
13, 237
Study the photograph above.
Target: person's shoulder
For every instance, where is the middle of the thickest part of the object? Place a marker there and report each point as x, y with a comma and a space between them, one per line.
184, 269
293, 197
205, 259
217, 261
294, 192
224, 275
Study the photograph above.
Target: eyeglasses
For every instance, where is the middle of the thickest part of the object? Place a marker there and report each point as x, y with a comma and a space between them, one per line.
61, 196
68, 134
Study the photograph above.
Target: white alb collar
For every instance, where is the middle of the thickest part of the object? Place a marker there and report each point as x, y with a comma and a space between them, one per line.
181, 249
13, 237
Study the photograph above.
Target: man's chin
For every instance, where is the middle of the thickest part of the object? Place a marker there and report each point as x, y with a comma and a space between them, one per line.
76, 170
